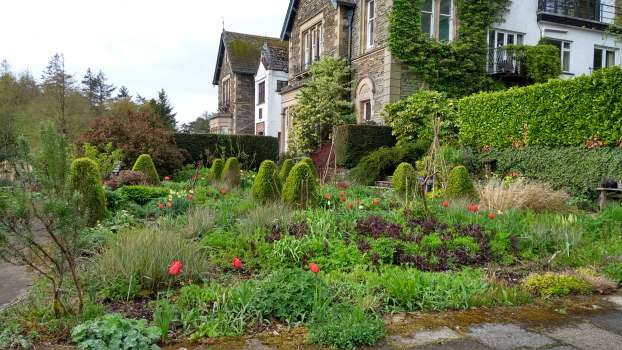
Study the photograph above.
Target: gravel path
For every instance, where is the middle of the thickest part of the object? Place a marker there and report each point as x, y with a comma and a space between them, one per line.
14, 282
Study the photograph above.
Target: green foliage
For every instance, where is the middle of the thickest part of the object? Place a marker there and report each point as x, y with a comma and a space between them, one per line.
53, 161
85, 179
382, 162
311, 165
251, 150
163, 316
404, 179
286, 167
267, 186
323, 103
555, 285
215, 172
142, 194
105, 159
290, 295
542, 61
457, 68
346, 327
114, 332
459, 184
411, 118
614, 271
574, 169
354, 141
231, 172
145, 165
300, 189
557, 113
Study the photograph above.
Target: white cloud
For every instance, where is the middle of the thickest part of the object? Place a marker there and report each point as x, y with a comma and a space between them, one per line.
145, 45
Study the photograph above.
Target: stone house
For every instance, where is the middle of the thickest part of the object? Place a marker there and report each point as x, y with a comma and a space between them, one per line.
237, 63
356, 30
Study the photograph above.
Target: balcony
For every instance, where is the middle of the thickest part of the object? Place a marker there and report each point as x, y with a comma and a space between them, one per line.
594, 14
504, 61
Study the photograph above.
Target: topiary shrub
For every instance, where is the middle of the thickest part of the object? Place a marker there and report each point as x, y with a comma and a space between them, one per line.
215, 172
145, 165
404, 179
311, 165
266, 187
86, 180
459, 184
383, 161
231, 173
286, 167
300, 189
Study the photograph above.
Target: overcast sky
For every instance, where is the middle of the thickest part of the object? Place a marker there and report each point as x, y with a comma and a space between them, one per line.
145, 45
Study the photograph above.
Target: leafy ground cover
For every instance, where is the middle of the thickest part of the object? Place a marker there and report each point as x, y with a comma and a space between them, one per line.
198, 257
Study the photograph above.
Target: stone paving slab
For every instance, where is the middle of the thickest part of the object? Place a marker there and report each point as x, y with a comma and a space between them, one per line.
455, 345
586, 336
616, 300
424, 337
14, 282
508, 337
611, 321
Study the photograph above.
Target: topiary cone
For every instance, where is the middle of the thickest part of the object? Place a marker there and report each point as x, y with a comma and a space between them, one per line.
404, 179
145, 165
266, 187
215, 172
300, 189
231, 173
459, 184
86, 180
286, 167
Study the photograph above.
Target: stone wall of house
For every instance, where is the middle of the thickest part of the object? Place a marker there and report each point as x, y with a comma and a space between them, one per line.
225, 71
244, 97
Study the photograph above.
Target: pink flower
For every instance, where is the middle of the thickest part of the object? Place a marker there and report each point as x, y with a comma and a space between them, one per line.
167, 178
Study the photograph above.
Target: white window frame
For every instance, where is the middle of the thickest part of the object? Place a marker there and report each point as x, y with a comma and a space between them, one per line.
371, 23
364, 113
604, 50
312, 44
450, 17
495, 45
563, 49
432, 18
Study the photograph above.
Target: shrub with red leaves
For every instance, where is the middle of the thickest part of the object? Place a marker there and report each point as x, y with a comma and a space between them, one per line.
127, 178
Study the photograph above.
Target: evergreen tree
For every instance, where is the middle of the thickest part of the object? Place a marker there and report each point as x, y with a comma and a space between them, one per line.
199, 126
104, 91
89, 88
57, 85
162, 107
124, 93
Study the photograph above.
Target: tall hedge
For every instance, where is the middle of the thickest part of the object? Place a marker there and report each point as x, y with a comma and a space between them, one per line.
267, 186
86, 180
145, 165
353, 142
251, 150
231, 173
556, 113
574, 169
300, 189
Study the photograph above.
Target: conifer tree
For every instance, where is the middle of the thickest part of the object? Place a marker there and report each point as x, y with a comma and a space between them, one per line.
162, 107
123, 93
57, 85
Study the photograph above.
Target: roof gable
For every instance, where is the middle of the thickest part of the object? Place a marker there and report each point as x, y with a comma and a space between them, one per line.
243, 51
292, 9
275, 57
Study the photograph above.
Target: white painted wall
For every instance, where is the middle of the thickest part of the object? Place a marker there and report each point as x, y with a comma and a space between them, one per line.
272, 107
522, 18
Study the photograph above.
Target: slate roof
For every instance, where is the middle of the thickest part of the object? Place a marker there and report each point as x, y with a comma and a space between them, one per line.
293, 8
275, 57
243, 50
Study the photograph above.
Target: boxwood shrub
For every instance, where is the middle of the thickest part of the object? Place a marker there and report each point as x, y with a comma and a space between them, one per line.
300, 189
577, 170
557, 113
459, 184
266, 187
383, 161
286, 167
86, 180
251, 150
353, 142
404, 179
215, 172
231, 173
145, 165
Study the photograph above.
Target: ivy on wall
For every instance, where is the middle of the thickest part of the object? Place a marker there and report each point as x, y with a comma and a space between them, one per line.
457, 68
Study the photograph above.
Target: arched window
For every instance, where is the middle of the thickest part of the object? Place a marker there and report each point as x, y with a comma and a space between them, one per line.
365, 101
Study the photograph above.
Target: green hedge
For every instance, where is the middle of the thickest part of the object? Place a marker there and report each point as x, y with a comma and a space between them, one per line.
556, 113
574, 169
251, 150
353, 142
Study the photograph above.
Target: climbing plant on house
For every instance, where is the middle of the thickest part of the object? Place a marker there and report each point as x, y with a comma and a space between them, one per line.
322, 103
457, 68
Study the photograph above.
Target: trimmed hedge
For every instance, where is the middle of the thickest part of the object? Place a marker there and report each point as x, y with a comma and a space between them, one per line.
353, 142
145, 165
251, 150
300, 189
86, 180
267, 186
404, 179
556, 113
383, 161
142, 195
574, 169
459, 184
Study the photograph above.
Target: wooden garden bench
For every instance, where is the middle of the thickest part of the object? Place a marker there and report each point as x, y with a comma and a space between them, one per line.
608, 193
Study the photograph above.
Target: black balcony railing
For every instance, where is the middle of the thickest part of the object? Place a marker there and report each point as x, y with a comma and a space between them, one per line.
506, 61
592, 10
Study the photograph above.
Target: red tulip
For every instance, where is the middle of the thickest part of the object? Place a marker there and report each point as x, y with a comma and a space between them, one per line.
376, 202
445, 204
223, 191
327, 196
237, 264
161, 205
314, 268
190, 197
491, 216
175, 268
167, 178
343, 199
350, 205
